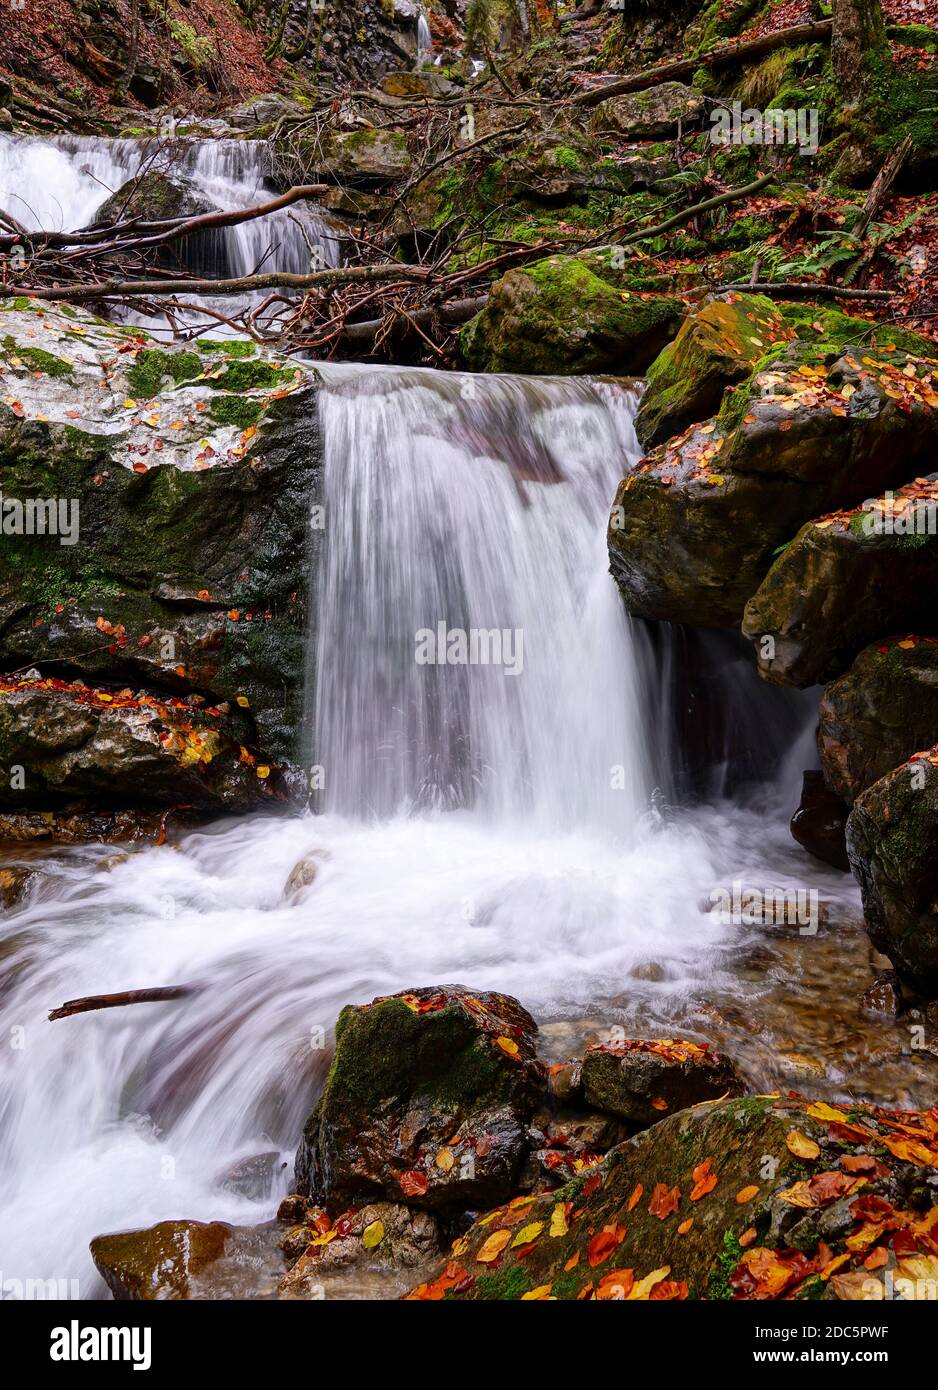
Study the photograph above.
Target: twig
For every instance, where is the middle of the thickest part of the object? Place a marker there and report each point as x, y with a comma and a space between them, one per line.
90, 1003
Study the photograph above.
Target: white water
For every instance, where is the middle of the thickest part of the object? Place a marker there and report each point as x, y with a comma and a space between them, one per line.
539, 880
59, 184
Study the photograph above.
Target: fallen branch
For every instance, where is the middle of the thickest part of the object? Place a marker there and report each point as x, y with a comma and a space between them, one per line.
730, 196
814, 32
456, 312
92, 1002
783, 290
274, 280
881, 185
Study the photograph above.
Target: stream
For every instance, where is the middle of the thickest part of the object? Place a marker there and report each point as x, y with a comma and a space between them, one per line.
517, 825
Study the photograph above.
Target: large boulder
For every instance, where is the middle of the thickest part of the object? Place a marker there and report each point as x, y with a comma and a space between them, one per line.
718, 346
757, 1198
152, 197
892, 840
655, 114
427, 1101
643, 1081
695, 526
879, 713
845, 579
163, 1262
123, 747
558, 316
156, 517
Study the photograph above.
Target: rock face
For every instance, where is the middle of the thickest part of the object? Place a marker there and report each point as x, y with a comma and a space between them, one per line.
427, 1101
892, 840
879, 713
718, 345
558, 316
642, 1082
159, 1263
155, 519
844, 580
694, 528
655, 114
745, 1199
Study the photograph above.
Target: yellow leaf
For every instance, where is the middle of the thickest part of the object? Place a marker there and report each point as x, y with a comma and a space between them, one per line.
508, 1045
538, 1295
643, 1288
263, 771
373, 1234
493, 1247
243, 701
558, 1221
821, 1111
528, 1233
800, 1145
445, 1159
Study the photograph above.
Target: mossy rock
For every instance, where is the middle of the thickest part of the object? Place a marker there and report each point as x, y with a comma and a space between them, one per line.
153, 197
892, 841
654, 114
717, 346
738, 1199
427, 1101
159, 1263
880, 712
558, 317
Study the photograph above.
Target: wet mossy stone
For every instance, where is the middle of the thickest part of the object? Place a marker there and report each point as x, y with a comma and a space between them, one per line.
159, 1263
427, 1102
558, 317
642, 1082
712, 1203
879, 713
892, 842
153, 197
717, 346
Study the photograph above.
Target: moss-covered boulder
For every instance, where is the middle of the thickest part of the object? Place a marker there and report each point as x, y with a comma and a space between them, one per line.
643, 1081
845, 579
654, 114
718, 345
879, 713
756, 1198
558, 316
114, 747
156, 509
153, 197
366, 155
427, 1101
695, 527
892, 841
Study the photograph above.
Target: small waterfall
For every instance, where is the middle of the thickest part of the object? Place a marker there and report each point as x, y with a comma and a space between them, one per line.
59, 184
475, 505
424, 39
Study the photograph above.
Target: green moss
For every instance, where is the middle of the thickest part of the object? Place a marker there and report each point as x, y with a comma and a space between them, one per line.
508, 1283
718, 1286
153, 366
39, 359
253, 376
231, 347
235, 410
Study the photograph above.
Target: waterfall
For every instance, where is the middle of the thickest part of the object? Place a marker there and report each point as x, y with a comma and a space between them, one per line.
59, 183
424, 39
475, 506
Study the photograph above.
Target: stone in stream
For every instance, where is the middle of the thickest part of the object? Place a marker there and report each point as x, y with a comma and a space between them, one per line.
643, 1081
427, 1101
381, 1234
696, 525
750, 1198
820, 822
15, 883
880, 712
152, 197
303, 875
161, 1262
892, 841
559, 316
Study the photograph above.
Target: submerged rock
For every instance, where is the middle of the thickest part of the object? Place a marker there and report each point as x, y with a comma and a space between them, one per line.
820, 822
427, 1101
756, 1198
15, 883
303, 875
879, 713
643, 1081
892, 841
558, 316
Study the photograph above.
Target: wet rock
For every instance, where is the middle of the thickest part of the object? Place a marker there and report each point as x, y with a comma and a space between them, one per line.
841, 583
14, 885
695, 527
884, 996
717, 346
655, 114
892, 841
642, 1082
366, 155
71, 827
558, 316
564, 1082
303, 875
383, 1233
879, 713
694, 1208
160, 1262
118, 747
253, 1177
427, 1100
153, 197
820, 822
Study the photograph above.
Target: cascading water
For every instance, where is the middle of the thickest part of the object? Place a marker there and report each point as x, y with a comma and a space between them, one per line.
478, 826
59, 184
